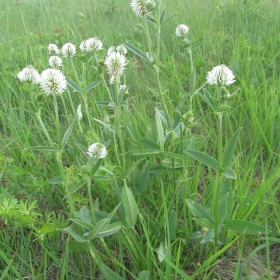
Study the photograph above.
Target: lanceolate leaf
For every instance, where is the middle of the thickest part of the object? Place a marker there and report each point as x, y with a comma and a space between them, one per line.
242, 226
93, 85
74, 86
44, 149
200, 212
110, 275
129, 205
203, 158
111, 229
162, 15
137, 52
67, 133
230, 147
229, 173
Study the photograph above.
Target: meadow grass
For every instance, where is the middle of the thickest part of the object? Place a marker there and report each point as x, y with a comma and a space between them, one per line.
175, 216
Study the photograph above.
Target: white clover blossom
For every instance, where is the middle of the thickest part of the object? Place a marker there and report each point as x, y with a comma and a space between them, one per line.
97, 150
220, 75
182, 30
53, 82
53, 49
115, 63
29, 74
68, 49
111, 50
142, 7
55, 61
121, 49
93, 44
79, 112
83, 46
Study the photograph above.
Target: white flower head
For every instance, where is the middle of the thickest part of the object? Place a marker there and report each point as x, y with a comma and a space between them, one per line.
121, 49
68, 49
97, 150
182, 30
55, 61
220, 75
115, 63
79, 112
111, 50
53, 82
93, 44
53, 49
83, 46
29, 74
142, 7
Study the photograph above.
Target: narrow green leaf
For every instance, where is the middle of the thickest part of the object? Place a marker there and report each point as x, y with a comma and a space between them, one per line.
222, 209
111, 215
173, 223
169, 18
56, 181
95, 167
230, 147
103, 103
133, 166
102, 225
160, 130
222, 108
229, 173
67, 133
152, 20
110, 275
191, 143
77, 187
203, 158
246, 227
111, 229
144, 275
143, 181
75, 235
146, 152
74, 86
129, 205
137, 52
162, 16
101, 178
43, 149
200, 212
93, 85
87, 225
207, 98
198, 44
149, 144
204, 223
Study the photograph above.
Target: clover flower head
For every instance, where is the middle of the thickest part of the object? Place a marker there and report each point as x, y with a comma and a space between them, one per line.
115, 63
53, 49
55, 61
53, 82
142, 7
97, 150
93, 44
29, 74
111, 50
220, 75
121, 49
182, 30
83, 46
68, 49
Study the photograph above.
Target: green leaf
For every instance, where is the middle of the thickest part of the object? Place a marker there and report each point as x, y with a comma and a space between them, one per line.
229, 173
222, 108
101, 178
75, 235
129, 205
102, 225
242, 226
95, 167
56, 181
222, 209
207, 98
162, 16
173, 223
111, 229
160, 130
203, 158
67, 133
149, 144
169, 18
204, 223
198, 44
144, 275
191, 143
200, 212
152, 20
103, 103
143, 181
85, 224
77, 187
74, 86
133, 166
137, 52
230, 147
93, 85
110, 275
43, 149
146, 152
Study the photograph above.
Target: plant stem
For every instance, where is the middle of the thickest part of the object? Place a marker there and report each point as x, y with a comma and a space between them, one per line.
38, 116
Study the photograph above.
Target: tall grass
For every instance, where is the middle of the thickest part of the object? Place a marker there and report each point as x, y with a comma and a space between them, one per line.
147, 170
